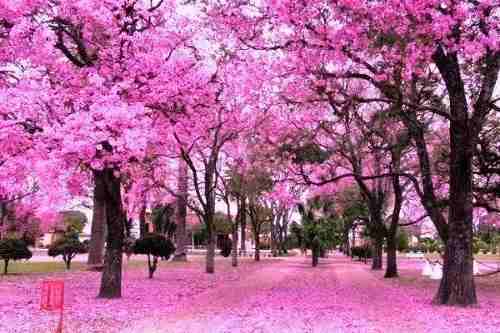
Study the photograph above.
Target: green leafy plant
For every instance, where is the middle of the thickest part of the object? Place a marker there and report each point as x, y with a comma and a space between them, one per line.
154, 245
68, 247
13, 249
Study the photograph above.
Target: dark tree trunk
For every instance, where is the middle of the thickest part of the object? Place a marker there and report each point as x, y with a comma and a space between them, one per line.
243, 225
234, 245
142, 222
391, 270
181, 213
392, 265
98, 231
457, 285
111, 280
257, 246
68, 264
5, 266
274, 236
377, 254
152, 266
210, 259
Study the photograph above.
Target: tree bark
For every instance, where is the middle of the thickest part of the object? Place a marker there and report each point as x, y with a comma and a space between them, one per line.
142, 222
457, 285
391, 270
257, 246
98, 231
210, 259
111, 280
377, 255
5, 266
181, 213
243, 225
234, 245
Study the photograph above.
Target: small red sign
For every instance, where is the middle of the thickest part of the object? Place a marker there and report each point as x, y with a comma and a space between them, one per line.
53, 299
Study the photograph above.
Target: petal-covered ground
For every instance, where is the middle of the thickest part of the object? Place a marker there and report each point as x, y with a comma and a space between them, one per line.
285, 295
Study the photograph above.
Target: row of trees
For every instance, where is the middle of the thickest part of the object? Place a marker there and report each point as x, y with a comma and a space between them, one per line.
396, 98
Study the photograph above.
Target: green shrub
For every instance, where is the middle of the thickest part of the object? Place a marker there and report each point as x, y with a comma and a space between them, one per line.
67, 247
155, 245
361, 252
13, 249
403, 241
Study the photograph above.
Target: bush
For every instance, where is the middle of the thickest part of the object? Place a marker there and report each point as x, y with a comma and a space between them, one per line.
403, 241
13, 249
155, 245
361, 252
67, 247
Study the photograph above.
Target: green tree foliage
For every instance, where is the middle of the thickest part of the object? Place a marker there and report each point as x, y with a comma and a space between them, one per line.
403, 240
319, 224
68, 247
156, 246
13, 249
74, 221
163, 221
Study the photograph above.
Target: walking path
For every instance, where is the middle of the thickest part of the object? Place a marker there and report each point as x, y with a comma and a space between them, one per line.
338, 296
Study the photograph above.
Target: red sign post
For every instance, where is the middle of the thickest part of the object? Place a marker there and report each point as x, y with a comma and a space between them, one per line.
53, 299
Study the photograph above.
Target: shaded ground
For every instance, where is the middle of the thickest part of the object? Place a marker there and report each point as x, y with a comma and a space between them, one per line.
285, 295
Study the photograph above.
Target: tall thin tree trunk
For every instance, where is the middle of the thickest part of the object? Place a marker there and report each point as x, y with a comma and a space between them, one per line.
234, 250
257, 246
391, 270
98, 230
378, 243
243, 225
210, 259
142, 222
181, 212
111, 280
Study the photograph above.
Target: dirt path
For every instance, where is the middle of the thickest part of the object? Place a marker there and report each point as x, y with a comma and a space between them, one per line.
288, 296
338, 296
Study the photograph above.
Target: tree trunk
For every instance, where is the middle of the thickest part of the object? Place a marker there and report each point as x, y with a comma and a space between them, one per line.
111, 280
457, 285
210, 259
5, 266
181, 212
234, 249
257, 246
142, 222
68, 264
243, 225
98, 231
391, 270
377, 254
274, 236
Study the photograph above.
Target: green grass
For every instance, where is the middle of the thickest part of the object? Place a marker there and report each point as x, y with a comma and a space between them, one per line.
27, 267
22, 267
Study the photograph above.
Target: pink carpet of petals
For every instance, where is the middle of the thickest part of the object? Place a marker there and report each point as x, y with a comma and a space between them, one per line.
272, 296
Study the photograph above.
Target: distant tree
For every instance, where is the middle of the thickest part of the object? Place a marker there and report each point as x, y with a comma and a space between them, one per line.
73, 221
155, 245
13, 249
403, 241
68, 247
163, 220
